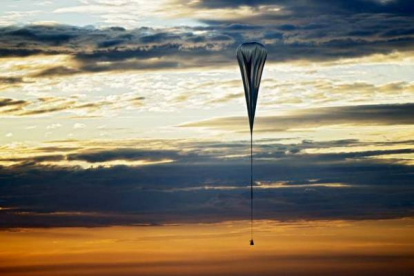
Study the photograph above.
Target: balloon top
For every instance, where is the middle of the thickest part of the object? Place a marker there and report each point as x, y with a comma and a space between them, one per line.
251, 45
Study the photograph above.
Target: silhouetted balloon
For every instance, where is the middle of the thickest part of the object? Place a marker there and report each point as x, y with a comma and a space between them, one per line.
252, 58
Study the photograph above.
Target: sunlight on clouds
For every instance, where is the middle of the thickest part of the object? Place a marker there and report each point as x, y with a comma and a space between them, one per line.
132, 13
108, 94
87, 165
24, 70
29, 66
60, 153
106, 164
231, 13
367, 145
405, 159
131, 94
263, 186
129, 13
392, 58
193, 9
282, 184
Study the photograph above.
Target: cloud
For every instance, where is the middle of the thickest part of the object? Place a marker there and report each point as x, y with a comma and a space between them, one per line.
54, 126
299, 30
292, 183
79, 126
72, 104
391, 114
10, 80
11, 102
312, 7
10, 106
124, 154
227, 98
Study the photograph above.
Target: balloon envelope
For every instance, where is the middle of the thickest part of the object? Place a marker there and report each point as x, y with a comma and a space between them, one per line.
251, 57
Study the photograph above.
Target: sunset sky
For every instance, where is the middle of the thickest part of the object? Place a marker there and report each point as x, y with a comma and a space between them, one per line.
127, 118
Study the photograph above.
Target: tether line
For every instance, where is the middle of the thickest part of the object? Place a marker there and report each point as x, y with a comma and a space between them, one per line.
251, 187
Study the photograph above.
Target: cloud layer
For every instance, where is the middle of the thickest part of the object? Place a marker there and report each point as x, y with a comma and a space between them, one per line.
345, 59
208, 182
392, 114
299, 30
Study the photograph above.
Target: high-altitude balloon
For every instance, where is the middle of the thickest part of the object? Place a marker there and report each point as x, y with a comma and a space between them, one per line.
252, 58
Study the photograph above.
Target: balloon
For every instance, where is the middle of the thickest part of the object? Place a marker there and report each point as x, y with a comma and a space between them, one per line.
252, 58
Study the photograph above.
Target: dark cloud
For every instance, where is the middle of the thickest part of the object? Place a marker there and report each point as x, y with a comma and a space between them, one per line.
7, 82
54, 149
9, 106
124, 154
387, 114
40, 111
205, 184
312, 7
57, 71
35, 160
10, 80
11, 102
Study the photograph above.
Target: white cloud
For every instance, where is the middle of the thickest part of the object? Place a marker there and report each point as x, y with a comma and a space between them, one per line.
13, 17
79, 126
130, 13
54, 126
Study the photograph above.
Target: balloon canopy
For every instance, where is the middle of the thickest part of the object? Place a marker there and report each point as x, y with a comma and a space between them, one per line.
251, 57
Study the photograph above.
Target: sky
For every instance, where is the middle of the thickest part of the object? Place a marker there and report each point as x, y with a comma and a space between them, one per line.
299, 248
130, 113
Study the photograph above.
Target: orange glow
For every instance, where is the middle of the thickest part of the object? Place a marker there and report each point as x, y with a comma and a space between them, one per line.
290, 248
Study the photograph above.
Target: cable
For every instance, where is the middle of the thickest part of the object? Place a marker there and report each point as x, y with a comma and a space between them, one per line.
251, 188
